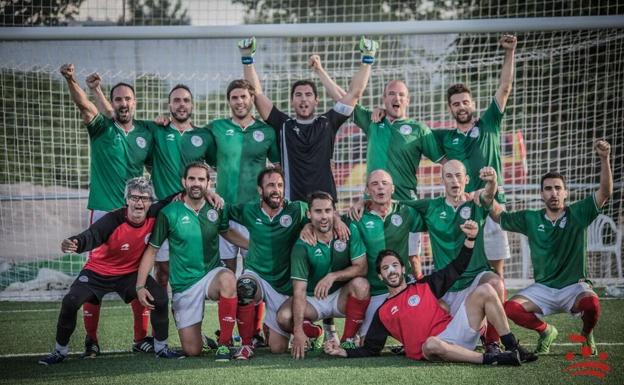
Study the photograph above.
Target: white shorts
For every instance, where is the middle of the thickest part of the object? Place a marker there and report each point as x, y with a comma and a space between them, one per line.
375, 303
188, 306
455, 299
414, 244
459, 332
163, 253
273, 301
228, 250
495, 241
326, 308
552, 301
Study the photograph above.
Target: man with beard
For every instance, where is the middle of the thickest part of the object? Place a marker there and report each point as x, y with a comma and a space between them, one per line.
558, 242
119, 148
413, 315
274, 225
118, 241
327, 278
307, 141
476, 143
191, 226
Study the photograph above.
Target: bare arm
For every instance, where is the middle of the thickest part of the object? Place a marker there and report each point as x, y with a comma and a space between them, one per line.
87, 109
360, 79
496, 211
508, 42
298, 310
603, 148
488, 175
235, 238
147, 262
333, 89
93, 82
358, 268
247, 48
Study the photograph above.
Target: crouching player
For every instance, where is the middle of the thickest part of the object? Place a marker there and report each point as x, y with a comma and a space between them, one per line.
327, 278
558, 242
413, 316
118, 240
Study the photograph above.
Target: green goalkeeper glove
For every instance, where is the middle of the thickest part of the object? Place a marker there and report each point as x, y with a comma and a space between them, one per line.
368, 47
247, 48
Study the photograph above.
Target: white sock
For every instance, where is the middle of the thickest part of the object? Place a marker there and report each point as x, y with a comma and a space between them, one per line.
64, 350
159, 345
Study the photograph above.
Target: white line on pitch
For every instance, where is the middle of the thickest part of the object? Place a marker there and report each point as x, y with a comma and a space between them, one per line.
58, 309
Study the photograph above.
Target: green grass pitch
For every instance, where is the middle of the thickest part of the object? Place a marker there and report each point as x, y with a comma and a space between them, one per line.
27, 332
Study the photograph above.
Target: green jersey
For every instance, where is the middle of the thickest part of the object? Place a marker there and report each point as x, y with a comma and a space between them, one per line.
558, 247
313, 263
241, 155
443, 221
271, 239
391, 232
198, 145
477, 148
116, 156
397, 148
193, 241
166, 158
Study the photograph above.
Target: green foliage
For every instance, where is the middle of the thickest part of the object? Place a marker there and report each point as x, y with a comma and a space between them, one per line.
156, 12
38, 12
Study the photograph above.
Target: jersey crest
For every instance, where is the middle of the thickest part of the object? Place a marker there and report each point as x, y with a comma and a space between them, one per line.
414, 300
286, 220
405, 129
465, 212
196, 140
340, 246
212, 215
396, 220
258, 136
141, 142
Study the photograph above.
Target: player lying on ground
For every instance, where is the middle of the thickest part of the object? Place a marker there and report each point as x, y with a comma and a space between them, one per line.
118, 241
558, 242
413, 316
328, 278
192, 226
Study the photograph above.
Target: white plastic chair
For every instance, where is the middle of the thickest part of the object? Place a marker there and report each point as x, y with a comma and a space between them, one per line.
595, 242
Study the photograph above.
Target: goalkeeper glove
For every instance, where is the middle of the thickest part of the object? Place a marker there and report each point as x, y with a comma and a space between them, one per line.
368, 48
247, 48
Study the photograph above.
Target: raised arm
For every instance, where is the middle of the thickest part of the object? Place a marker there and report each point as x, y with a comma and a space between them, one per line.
333, 89
603, 149
488, 175
87, 109
104, 107
368, 48
508, 42
247, 48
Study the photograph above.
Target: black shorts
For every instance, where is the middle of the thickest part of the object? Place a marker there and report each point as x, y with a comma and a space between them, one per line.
99, 285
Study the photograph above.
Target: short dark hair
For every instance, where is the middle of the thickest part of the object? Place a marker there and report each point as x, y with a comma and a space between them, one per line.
268, 171
180, 86
552, 175
458, 88
240, 83
384, 253
303, 83
320, 195
121, 84
197, 165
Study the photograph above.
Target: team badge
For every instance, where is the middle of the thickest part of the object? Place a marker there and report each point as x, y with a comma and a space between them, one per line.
405, 129
465, 212
140, 141
413, 300
286, 220
340, 246
83, 278
563, 222
147, 238
396, 220
474, 133
258, 136
212, 215
197, 140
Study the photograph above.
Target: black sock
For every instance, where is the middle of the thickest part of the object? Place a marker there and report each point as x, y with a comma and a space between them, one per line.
509, 340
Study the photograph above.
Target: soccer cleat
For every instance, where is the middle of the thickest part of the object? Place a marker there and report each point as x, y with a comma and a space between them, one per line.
146, 345
92, 349
493, 348
546, 338
258, 341
511, 357
591, 343
317, 343
525, 355
53, 358
348, 344
209, 343
223, 354
244, 353
398, 350
169, 354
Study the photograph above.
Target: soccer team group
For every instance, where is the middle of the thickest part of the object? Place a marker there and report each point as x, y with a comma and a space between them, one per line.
274, 204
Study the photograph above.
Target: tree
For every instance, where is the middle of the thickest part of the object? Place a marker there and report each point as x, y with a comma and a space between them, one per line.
155, 12
39, 12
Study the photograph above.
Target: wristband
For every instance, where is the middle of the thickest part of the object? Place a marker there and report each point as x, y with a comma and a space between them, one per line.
368, 59
139, 288
247, 60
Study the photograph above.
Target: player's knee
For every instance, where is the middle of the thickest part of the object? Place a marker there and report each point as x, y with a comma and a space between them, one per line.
361, 288
589, 303
512, 309
498, 285
278, 345
486, 292
70, 303
284, 318
227, 283
192, 350
433, 347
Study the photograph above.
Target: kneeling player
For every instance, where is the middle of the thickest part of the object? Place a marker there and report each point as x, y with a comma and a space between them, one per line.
118, 241
327, 278
558, 242
192, 227
412, 315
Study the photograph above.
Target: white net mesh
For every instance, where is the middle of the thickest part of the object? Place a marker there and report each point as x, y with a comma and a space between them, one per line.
567, 93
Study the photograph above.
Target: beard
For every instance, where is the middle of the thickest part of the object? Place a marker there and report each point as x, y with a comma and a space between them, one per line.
393, 285
195, 192
241, 113
181, 117
467, 119
123, 115
268, 199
